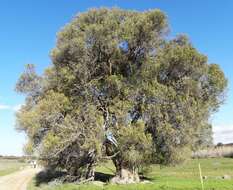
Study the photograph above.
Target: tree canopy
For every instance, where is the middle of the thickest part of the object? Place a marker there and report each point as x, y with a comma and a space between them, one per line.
118, 89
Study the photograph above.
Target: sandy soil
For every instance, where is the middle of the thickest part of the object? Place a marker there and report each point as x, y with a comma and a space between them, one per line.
17, 180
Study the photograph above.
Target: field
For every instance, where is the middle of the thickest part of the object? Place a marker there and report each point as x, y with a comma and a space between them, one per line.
185, 177
8, 166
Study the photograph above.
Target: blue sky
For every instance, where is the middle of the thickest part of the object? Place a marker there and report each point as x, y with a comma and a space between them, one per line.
28, 33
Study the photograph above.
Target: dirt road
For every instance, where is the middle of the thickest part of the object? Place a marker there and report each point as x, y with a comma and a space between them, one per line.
17, 180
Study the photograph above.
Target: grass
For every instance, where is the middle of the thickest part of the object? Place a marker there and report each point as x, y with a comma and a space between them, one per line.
9, 166
184, 177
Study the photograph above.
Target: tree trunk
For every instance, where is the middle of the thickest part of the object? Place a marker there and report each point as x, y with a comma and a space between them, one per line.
90, 174
125, 176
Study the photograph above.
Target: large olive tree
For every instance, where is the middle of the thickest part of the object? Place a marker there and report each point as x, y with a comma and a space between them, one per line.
118, 89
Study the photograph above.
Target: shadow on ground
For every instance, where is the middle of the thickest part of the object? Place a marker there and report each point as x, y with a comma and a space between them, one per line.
99, 176
48, 176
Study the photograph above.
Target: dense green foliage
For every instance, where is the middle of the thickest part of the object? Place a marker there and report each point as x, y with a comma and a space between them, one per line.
118, 89
182, 177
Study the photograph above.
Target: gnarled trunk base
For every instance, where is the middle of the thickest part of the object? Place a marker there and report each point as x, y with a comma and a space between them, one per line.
125, 176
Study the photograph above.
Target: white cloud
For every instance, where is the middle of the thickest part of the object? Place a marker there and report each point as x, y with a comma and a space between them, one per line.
17, 107
4, 107
12, 108
223, 133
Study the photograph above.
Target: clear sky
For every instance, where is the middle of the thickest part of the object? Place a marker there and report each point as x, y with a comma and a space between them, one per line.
28, 33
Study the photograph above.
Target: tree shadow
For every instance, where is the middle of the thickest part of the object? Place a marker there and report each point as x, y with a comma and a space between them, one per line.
144, 178
103, 177
47, 176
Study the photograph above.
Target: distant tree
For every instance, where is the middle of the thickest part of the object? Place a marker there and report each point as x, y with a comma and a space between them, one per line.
117, 89
219, 144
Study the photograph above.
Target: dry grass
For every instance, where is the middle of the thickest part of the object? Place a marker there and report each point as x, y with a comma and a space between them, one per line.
215, 152
8, 166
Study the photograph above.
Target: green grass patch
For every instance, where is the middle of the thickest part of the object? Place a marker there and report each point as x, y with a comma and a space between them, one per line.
182, 177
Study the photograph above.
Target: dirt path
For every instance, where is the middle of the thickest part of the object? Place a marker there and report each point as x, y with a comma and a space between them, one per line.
17, 180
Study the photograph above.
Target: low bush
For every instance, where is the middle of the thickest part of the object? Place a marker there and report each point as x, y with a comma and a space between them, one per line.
215, 152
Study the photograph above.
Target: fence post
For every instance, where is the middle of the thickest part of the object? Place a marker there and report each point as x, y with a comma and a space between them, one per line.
201, 178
